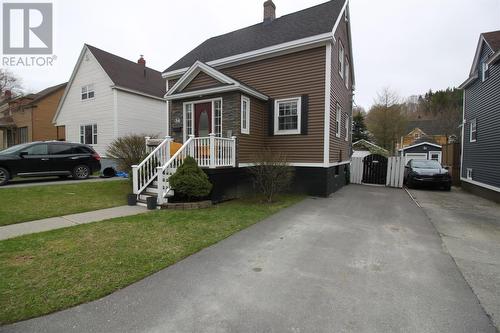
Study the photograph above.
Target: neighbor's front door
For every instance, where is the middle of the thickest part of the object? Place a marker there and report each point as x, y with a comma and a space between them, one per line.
202, 119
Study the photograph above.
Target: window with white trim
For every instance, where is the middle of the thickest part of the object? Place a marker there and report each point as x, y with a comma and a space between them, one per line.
245, 115
347, 74
218, 118
338, 119
188, 120
341, 59
473, 130
484, 71
88, 134
469, 174
88, 92
347, 127
287, 116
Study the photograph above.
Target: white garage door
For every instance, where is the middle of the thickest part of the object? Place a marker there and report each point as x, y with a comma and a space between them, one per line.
415, 156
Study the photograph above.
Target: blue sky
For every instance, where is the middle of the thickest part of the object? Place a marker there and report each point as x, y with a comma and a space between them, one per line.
409, 45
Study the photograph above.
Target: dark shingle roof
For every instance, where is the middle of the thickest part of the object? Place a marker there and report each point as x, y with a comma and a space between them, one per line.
430, 127
305, 23
48, 91
129, 74
493, 39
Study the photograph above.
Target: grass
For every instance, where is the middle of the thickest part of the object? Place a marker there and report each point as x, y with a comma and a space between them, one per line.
50, 271
23, 204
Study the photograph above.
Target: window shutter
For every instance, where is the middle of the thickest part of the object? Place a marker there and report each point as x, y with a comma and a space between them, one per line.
270, 117
304, 114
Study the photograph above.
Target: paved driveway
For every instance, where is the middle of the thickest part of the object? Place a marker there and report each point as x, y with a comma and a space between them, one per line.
470, 228
365, 260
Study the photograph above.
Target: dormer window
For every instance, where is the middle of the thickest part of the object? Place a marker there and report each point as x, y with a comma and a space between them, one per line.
484, 71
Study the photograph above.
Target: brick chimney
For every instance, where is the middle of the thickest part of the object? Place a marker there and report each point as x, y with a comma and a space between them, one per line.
142, 61
269, 11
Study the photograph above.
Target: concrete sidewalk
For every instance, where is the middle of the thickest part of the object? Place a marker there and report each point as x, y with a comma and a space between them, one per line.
52, 223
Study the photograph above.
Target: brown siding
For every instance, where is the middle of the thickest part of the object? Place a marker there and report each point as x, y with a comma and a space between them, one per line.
43, 114
290, 75
202, 81
340, 149
249, 145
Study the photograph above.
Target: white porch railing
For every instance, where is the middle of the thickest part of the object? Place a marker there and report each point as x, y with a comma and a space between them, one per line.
209, 152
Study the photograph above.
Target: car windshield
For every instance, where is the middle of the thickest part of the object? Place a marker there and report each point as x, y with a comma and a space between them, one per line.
425, 164
14, 149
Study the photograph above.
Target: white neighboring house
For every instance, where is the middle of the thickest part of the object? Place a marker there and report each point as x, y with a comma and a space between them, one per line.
108, 97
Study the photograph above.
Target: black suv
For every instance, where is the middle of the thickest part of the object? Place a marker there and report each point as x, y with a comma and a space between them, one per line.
48, 159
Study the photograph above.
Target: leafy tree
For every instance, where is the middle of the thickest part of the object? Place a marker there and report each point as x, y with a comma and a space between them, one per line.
189, 181
387, 120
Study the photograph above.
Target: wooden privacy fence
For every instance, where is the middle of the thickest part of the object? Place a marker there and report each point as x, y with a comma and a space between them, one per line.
394, 171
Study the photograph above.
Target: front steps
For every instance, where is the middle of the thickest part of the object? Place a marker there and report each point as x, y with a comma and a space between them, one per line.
151, 191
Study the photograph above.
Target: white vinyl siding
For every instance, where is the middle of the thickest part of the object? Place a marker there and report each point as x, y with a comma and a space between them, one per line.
245, 115
287, 116
88, 134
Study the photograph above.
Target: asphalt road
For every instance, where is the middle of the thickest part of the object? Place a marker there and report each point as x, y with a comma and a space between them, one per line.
365, 260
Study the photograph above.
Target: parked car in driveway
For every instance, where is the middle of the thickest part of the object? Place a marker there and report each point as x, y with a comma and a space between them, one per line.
426, 172
48, 159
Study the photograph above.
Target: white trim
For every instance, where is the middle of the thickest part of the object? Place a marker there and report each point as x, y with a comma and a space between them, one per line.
245, 130
472, 121
216, 90
429, 157
299, 164
297, 131
470, 173
193, 71
489, 187
132, 91
420, 144
467, 82
493, 58
337, 22
341, 59
274, 50
484, 70
347, 127
89, 88
167, 109
193, 103
328, 91
338, 119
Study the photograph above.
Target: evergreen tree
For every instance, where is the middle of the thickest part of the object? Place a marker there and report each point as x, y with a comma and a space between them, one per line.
359, 129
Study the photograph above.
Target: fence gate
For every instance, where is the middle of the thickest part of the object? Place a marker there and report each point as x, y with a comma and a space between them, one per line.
376, 169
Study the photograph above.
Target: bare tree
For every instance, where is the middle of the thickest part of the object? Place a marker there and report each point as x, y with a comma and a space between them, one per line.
387, 119
8, 81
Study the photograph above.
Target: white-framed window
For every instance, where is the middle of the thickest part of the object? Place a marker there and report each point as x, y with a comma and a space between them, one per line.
23, 134
484, 71
347, 74
218, 118
188, 120
88, 134
245, 115
88, 92
347, 127
338, 119
341, 60
469, 173
287, 116
473, 130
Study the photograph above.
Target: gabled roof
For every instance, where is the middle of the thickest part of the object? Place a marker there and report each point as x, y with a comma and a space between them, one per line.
129, 74
368, 145
421, 144
227, 84
47, 91
429, 127
493, 39
314, 21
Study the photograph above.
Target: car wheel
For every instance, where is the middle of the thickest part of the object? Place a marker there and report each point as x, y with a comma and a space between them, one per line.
81, 172
4, 176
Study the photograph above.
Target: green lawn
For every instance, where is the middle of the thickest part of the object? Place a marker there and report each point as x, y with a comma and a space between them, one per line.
50, 271
23, 204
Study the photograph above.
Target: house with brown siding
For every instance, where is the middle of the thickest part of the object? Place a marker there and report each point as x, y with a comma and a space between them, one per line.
285, 84
29, 118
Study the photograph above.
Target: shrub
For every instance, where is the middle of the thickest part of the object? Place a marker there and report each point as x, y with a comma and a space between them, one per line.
127, 151
189, 181
272, 174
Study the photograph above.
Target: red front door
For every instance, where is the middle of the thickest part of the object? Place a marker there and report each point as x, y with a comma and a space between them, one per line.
202, 119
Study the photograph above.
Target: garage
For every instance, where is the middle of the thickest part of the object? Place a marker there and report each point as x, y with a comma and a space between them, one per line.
422, 151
